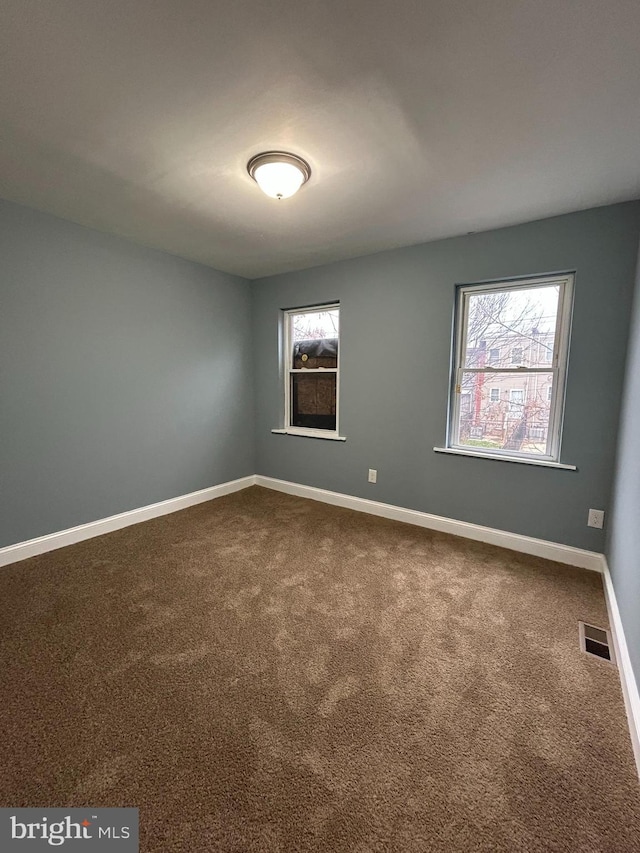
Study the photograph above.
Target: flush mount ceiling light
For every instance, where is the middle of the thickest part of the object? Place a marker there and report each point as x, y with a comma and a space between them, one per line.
279, 174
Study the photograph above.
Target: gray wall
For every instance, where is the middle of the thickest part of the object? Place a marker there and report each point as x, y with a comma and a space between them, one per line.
623, 545
129, 376
125, 375
396, 312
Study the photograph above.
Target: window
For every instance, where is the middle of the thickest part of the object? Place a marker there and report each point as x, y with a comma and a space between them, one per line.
494, 356
311, 370
516, 400
521, 416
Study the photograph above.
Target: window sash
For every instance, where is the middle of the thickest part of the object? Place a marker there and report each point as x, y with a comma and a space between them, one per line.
289, 370
557, 366
313, 401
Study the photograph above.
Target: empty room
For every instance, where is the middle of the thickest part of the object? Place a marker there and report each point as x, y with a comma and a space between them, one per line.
319, 421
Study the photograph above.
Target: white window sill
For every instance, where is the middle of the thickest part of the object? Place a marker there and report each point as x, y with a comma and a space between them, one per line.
545, 463
311, 433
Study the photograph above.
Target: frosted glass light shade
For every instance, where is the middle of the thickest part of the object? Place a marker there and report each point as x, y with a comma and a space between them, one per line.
279, 180
278, 174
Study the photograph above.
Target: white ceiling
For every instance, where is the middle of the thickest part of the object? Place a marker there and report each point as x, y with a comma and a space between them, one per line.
420, 118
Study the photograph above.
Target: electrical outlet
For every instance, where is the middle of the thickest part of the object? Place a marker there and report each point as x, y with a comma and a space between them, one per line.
596, 518
373, 475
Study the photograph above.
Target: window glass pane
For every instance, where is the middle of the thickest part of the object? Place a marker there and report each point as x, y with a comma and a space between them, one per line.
312, 354
313, 400
314, 338
507, 411
508, 328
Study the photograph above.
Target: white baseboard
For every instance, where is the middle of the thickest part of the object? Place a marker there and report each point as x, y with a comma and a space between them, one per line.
514, 541
33, 547
627, 675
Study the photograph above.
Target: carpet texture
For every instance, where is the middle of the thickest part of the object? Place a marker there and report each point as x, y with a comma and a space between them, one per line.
266, 673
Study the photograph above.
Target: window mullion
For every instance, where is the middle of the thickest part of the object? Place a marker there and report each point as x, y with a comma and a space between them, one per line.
313, 370
513, 372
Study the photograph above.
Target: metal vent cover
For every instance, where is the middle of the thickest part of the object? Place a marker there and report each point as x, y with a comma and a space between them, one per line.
596, 642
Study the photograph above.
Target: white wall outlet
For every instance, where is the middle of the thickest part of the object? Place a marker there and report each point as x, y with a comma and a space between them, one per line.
596, 518
373, 475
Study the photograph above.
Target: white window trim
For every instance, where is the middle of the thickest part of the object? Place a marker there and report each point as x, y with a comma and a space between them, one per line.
310, 433
288, 429
558, 369
529, 460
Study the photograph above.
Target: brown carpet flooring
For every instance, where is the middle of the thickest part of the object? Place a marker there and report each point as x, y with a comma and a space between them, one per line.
265, 673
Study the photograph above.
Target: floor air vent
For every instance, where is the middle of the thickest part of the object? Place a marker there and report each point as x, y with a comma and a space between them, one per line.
596, 641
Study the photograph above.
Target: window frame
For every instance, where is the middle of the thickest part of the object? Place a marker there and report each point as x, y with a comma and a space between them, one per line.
288, 371
558, 366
